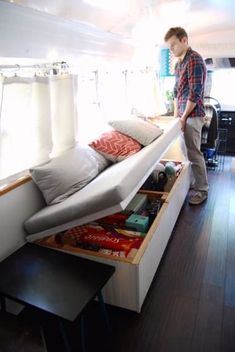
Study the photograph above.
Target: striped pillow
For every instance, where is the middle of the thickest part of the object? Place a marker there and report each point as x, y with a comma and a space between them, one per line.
115, 146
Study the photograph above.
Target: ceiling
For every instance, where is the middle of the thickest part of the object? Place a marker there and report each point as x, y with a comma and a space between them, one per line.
116, 27
146, 20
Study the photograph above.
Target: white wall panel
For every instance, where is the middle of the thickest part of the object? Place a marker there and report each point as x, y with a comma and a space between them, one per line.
16, 206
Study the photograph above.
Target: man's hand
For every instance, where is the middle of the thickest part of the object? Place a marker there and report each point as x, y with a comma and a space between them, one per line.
183, 123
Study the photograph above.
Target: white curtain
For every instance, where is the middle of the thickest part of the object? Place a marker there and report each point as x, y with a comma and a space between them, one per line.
63, 112
113, 95
1, 96
37, 117
144, 93
91, 122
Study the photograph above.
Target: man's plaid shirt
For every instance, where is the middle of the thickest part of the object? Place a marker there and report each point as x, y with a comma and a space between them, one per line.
190, 81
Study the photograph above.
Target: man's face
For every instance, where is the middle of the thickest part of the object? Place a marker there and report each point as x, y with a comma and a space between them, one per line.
178, 47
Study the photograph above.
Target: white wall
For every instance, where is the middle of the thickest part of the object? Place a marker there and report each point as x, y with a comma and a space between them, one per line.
15, 207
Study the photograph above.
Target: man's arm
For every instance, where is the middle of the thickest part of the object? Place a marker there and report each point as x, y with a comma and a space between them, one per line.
190, 105
195, 74
175, 108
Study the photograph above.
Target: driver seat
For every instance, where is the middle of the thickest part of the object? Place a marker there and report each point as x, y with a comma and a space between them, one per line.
210, 129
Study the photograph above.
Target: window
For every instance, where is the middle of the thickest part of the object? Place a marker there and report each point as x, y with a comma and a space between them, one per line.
33, 125
43, 116
223, 87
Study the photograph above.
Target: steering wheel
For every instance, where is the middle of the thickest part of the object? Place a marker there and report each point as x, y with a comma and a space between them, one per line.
215, 103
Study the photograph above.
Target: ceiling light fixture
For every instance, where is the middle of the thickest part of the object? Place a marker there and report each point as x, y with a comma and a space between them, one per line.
111, 5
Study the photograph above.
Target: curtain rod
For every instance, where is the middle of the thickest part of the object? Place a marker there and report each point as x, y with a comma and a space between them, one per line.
16, 67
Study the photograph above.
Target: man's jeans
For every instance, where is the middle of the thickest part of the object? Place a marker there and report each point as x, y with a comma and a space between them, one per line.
192, 139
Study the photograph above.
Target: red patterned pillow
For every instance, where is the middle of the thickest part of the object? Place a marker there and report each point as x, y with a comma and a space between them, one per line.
115, 146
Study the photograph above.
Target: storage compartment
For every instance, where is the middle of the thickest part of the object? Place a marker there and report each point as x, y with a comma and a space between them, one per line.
118, 236
136, 267
163, 176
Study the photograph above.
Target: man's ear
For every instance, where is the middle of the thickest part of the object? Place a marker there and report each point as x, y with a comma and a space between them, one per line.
184, 40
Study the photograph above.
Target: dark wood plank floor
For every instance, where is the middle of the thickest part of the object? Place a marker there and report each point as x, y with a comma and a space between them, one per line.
190, 306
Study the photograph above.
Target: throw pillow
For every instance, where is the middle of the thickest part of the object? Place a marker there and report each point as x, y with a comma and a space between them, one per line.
102, 162
65, 174
142, 131
115, 146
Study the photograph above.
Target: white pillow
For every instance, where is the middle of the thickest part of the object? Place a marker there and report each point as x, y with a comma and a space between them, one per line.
143, 132
65, 174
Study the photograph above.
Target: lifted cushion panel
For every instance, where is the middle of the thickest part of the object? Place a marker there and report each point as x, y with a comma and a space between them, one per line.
107, 190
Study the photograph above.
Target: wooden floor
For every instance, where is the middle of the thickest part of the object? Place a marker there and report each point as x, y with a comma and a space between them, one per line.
191, 303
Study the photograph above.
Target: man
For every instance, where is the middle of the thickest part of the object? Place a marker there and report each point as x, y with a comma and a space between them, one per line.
190, 73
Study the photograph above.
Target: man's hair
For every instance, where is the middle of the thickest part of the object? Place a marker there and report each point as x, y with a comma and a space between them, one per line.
177, 31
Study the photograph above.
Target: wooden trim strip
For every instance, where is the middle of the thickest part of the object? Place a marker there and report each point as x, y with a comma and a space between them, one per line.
9, 187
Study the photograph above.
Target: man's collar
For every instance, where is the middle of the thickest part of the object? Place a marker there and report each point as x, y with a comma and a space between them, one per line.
189, 50
181, 61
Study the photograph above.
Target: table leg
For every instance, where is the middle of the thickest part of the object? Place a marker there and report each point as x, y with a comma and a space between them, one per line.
3, 303
54, 335
104, 311
64, 335
82, 333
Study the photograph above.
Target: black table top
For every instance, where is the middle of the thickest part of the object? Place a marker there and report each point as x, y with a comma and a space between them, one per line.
55, 282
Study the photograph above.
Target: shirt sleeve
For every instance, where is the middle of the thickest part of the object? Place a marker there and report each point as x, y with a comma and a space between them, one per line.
196, 79
175, 89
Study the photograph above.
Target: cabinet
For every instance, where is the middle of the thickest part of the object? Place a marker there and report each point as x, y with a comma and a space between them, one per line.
133, 276
227, 121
